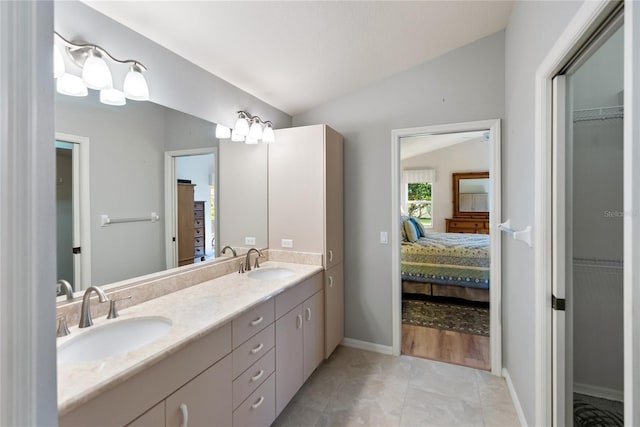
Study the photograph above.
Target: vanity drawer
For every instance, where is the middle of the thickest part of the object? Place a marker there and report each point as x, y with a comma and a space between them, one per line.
198, 223
252, 322
260, 408
198, 251
198, 232
198, 241
249, 352
198, 214
198, 206
246, 383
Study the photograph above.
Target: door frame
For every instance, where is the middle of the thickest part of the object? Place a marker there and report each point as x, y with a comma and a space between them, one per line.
586, 21
171, 198
495, 170
82, 205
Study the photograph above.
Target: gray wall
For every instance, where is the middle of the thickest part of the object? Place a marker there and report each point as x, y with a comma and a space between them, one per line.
126, 173
173, 81
532, 30
463, 85
473, 156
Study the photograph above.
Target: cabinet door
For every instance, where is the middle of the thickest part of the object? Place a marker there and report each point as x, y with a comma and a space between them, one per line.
313, 331
333, 198
207, 399
289, 357
334, 308
153, 417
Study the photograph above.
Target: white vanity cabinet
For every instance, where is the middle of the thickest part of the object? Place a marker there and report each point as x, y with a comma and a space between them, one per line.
203, 365
299, 337
306, 208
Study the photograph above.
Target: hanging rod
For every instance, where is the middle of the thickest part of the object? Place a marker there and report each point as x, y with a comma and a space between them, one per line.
106, 219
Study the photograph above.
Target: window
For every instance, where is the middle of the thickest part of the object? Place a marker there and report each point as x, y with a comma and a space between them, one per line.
418, 195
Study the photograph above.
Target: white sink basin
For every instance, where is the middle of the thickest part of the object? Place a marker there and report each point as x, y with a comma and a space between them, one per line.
119, 337
270, 273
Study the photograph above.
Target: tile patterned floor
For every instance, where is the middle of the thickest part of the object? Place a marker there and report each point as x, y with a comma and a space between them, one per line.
361, 388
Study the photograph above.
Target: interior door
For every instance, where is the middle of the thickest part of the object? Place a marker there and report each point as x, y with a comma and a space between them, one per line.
561, 279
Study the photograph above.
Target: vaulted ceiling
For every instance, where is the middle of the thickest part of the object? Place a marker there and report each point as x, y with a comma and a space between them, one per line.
298, 55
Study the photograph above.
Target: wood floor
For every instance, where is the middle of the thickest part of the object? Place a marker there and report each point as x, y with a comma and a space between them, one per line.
446, 346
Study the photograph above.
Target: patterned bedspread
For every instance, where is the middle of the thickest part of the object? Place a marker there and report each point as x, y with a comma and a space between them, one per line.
448, 259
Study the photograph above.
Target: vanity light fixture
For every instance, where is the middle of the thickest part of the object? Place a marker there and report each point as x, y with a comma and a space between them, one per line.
91, 59
259, 130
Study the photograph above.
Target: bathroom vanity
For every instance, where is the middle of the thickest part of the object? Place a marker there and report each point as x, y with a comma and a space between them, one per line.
238, 350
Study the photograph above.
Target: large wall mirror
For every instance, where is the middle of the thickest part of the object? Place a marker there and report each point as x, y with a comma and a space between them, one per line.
118, 200
471, 194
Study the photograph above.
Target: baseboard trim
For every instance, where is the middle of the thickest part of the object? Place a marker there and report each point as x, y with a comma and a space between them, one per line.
601, 392
368, 346
514, 397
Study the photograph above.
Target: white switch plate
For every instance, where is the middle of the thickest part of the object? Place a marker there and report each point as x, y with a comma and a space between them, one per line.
384, 237
287, 243
249, 240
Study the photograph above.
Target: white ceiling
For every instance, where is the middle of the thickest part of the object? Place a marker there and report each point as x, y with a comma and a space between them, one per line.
298, 55
412, 146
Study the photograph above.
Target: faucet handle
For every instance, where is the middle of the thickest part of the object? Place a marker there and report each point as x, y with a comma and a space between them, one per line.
63, 329
113, 309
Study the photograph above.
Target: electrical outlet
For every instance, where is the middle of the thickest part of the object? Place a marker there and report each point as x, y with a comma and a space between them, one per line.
249, 240
287, 243
384, 237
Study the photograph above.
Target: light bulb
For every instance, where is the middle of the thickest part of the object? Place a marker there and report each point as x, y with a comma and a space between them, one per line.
250, 140
135, 85
241, 127
255, 132
96, 73
223, 132
112, 97
267, 134
71, 85
58, 62
235, 137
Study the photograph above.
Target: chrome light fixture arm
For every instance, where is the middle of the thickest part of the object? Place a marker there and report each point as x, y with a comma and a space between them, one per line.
79, 52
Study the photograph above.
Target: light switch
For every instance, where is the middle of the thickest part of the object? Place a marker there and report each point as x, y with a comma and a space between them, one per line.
384, 237
287, 243
249, 240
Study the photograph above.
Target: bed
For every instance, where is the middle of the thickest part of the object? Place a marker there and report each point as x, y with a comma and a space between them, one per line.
447, 264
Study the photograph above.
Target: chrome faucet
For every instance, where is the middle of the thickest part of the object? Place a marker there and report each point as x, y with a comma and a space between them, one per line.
85, 311
232, 250
66, 288
247, 266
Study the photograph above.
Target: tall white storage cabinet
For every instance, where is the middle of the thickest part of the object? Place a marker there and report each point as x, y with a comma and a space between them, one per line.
306, 209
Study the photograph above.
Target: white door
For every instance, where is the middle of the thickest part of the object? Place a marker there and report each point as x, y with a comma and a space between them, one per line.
561, 280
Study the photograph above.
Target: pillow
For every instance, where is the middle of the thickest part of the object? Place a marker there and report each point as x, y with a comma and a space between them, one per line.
411, 230
419, 227
404, 233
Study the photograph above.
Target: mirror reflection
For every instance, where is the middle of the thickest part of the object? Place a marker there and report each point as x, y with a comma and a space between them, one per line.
138, 190
471, 194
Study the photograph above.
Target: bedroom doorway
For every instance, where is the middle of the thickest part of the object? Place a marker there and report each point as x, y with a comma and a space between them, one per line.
446, 264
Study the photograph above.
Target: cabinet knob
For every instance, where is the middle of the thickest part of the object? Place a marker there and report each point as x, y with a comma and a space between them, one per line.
298, 321
257, 348
258, 403
185, 415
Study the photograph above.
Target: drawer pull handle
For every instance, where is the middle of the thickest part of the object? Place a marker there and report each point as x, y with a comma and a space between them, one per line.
330, 255
257, 348
298, 321
257, 376
308, 312
258, 403
185, 415
257, 321
331, 281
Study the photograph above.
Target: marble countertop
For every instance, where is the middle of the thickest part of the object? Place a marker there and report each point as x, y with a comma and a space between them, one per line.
194, 312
